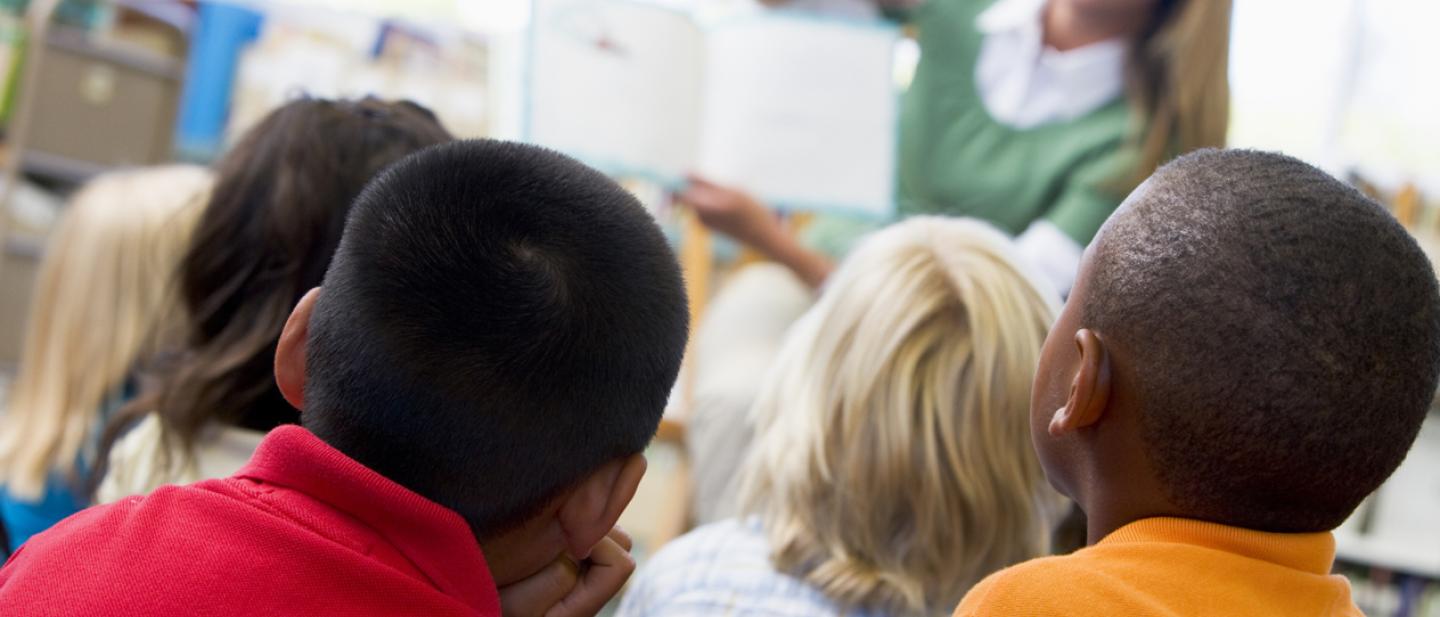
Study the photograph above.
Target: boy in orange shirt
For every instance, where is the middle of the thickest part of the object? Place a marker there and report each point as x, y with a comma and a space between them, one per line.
1249, 351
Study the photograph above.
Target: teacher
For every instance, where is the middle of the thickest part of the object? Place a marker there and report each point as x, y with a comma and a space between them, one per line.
1036, 116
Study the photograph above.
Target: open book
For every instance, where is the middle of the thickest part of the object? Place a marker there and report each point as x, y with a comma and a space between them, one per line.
800, 111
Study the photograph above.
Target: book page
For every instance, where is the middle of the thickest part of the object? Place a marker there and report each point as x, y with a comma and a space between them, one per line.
802, 112
616, 84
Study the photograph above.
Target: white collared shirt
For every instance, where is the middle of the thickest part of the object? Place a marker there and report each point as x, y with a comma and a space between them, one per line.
1024, 84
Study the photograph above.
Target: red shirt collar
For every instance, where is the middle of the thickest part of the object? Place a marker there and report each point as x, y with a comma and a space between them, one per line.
433, 537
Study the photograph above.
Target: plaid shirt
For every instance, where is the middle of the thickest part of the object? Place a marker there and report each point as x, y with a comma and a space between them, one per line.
724, 569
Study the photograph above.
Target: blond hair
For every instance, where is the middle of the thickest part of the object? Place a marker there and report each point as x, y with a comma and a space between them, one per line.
103, 300
1178, 77
893, 466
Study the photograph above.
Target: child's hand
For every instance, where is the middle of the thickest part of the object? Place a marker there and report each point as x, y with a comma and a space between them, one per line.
565, 589
731, 212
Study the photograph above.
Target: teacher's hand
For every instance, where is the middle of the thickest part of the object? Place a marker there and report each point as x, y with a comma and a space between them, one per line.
738, 215
732, 212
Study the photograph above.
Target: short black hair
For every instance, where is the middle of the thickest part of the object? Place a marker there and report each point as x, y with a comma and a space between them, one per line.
1284, 331
498, 321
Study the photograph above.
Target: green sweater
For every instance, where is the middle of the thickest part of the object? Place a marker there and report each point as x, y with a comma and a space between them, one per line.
956, 159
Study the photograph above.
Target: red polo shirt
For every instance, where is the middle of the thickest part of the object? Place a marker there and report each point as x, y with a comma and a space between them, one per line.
301, 530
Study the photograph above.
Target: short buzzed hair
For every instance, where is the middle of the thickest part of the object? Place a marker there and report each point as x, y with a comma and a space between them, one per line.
499, 321
1284, 331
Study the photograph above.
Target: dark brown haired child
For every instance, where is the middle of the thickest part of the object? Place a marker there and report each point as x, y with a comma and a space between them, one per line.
1249, 351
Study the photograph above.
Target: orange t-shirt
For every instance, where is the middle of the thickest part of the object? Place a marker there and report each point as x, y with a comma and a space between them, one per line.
1174, 567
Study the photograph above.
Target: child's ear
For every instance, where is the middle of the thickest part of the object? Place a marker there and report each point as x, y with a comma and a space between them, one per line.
591, 510
290, 352
1090, 392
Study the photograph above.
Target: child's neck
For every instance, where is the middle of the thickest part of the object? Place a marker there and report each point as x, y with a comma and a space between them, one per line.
1102, 524
1109, 509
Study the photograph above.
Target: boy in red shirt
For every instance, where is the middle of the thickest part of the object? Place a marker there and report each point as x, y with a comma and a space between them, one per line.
1249, 351
491, 351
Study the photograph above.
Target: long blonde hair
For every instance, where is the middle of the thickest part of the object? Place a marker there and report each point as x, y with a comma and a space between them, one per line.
893, 466
1178, 77
103, 300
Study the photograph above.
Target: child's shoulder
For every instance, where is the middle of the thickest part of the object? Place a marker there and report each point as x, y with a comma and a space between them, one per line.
1140, 556
1044, 586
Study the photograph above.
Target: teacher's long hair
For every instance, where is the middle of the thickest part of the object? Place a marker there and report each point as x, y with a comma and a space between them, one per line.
1177, 76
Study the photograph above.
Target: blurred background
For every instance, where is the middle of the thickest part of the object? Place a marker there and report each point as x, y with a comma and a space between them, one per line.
89, 86
1346, 84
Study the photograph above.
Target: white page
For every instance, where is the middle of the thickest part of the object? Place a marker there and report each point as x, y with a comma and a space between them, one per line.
616, 84
802, 112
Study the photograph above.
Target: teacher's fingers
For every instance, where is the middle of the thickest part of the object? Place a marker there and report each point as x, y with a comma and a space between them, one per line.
694, 179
